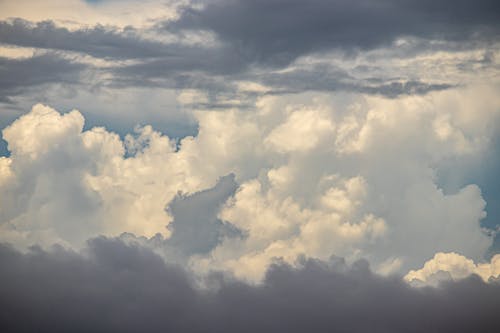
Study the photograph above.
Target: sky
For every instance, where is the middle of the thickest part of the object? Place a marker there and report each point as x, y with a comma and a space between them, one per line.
265, 165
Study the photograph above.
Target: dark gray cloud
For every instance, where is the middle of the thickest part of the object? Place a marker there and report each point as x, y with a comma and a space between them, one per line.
395, 89
118, 287
160, 59
17, 75
212, 68
325, 78
328, 78
219, 61
195, 227
98, 41
275, 32
167, 65
250, 35
20, 75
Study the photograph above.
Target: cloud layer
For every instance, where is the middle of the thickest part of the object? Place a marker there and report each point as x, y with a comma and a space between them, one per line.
114, 286
215, 45
287, 30
310, 179
260, 166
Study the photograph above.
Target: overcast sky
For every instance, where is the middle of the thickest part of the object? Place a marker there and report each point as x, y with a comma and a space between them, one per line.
214, 165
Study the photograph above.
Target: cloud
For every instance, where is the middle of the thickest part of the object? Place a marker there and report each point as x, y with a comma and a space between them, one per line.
302, 131
46, 192
195, 226
19, 75
135, 57
330, 78
99, 41
43, 180
355, 188
287, 135
364, 196
111, 43
64, 184
101, 60
277, 32
452, 266
115, 286
114, 58
71, 13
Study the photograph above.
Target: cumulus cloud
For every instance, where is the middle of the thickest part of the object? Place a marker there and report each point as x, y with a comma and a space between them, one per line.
452, 266
53, 190
57, 170
114, 286
285, 136
302, 131
281, 227
360, 183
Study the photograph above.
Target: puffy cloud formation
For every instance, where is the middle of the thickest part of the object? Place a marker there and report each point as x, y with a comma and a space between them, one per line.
313, 175
112, 286
446, 266
53, 190
203, 165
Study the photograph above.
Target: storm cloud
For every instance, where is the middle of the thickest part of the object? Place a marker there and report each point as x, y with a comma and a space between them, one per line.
18, 75
213, 47
98, 41
114, 286
276, 32
195, 227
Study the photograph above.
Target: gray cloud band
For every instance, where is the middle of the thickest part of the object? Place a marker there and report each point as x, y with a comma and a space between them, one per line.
251, 34
118, 287
17, 75
276, 32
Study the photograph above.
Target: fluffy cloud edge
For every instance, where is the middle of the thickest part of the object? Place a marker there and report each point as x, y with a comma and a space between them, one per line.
453, 266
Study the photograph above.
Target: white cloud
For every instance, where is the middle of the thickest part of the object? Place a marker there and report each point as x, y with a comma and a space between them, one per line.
453, 266
302, 131
68, 185
377, 200
23, 135
314, 179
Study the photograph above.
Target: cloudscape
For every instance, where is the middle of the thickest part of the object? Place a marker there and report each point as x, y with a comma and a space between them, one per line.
249, 166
